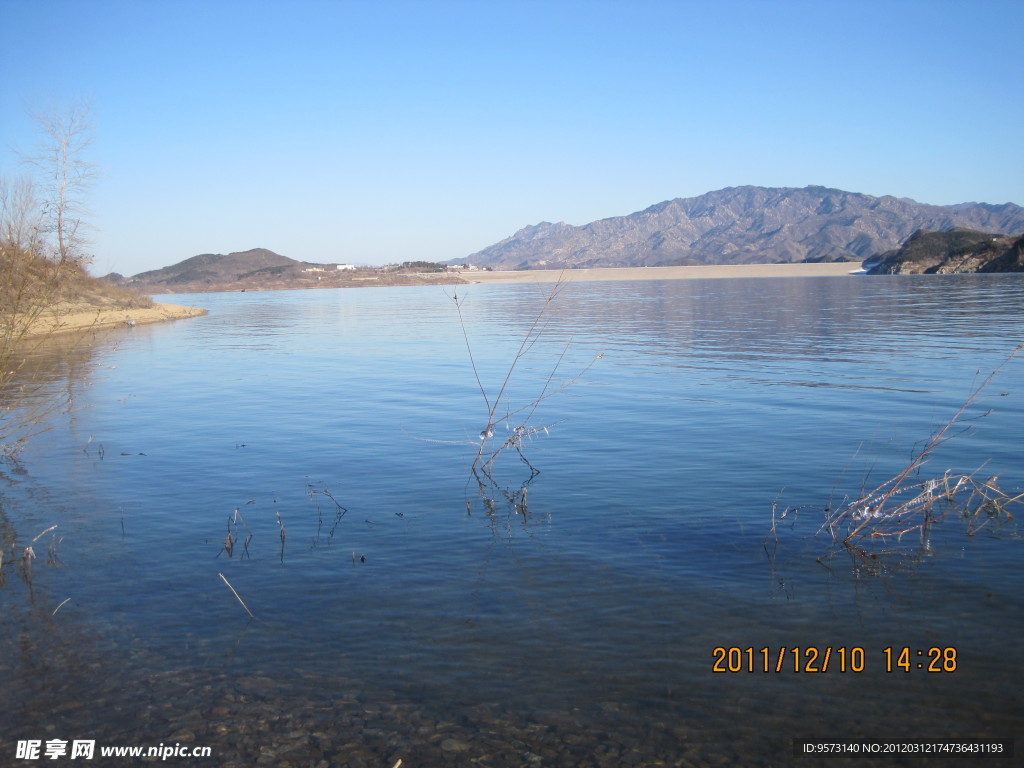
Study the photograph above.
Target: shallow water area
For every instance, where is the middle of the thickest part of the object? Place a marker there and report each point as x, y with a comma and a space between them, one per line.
403, 611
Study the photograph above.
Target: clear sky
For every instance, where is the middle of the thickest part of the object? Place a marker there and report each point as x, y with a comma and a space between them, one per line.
377, 131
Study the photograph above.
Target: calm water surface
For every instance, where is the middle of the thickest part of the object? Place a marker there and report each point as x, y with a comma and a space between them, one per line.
401, 611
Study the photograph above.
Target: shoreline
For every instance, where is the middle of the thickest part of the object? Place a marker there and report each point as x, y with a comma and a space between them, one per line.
826, 269
69, 321
58, 322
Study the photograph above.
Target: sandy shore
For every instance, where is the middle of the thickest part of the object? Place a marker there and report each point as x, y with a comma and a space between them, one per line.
663, 273
94, 319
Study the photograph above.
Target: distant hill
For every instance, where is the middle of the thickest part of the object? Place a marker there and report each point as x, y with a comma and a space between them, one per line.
743, 225
260, 269
218, 268
956, 250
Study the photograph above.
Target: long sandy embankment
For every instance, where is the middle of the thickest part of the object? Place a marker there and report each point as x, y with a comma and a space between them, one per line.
829, 269
59, 321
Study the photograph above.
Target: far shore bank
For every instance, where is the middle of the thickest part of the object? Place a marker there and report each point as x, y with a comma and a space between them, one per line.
72, 320
95, 319
829, 269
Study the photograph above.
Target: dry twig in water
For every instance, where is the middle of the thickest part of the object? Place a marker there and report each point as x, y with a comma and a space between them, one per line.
236, 595
517, 421
902, 504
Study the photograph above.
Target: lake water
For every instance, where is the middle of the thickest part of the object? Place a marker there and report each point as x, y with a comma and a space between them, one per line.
404, 610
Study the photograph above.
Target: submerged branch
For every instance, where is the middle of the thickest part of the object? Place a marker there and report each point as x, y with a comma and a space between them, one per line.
498, 408
905, 504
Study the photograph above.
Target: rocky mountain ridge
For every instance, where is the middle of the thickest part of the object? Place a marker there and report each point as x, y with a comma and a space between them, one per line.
743, 225
950, 252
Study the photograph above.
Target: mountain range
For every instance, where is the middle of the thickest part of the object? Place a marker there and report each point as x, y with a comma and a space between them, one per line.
737, 225
743, 225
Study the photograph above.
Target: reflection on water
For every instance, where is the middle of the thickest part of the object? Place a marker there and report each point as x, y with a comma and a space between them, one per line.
49, 373
398, 615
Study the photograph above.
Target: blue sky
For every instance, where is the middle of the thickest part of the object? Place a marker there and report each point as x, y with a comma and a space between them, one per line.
377, 131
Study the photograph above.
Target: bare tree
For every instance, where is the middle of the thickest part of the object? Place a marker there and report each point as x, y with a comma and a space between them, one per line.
65, 177
29, 280
20, 214
42, 252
